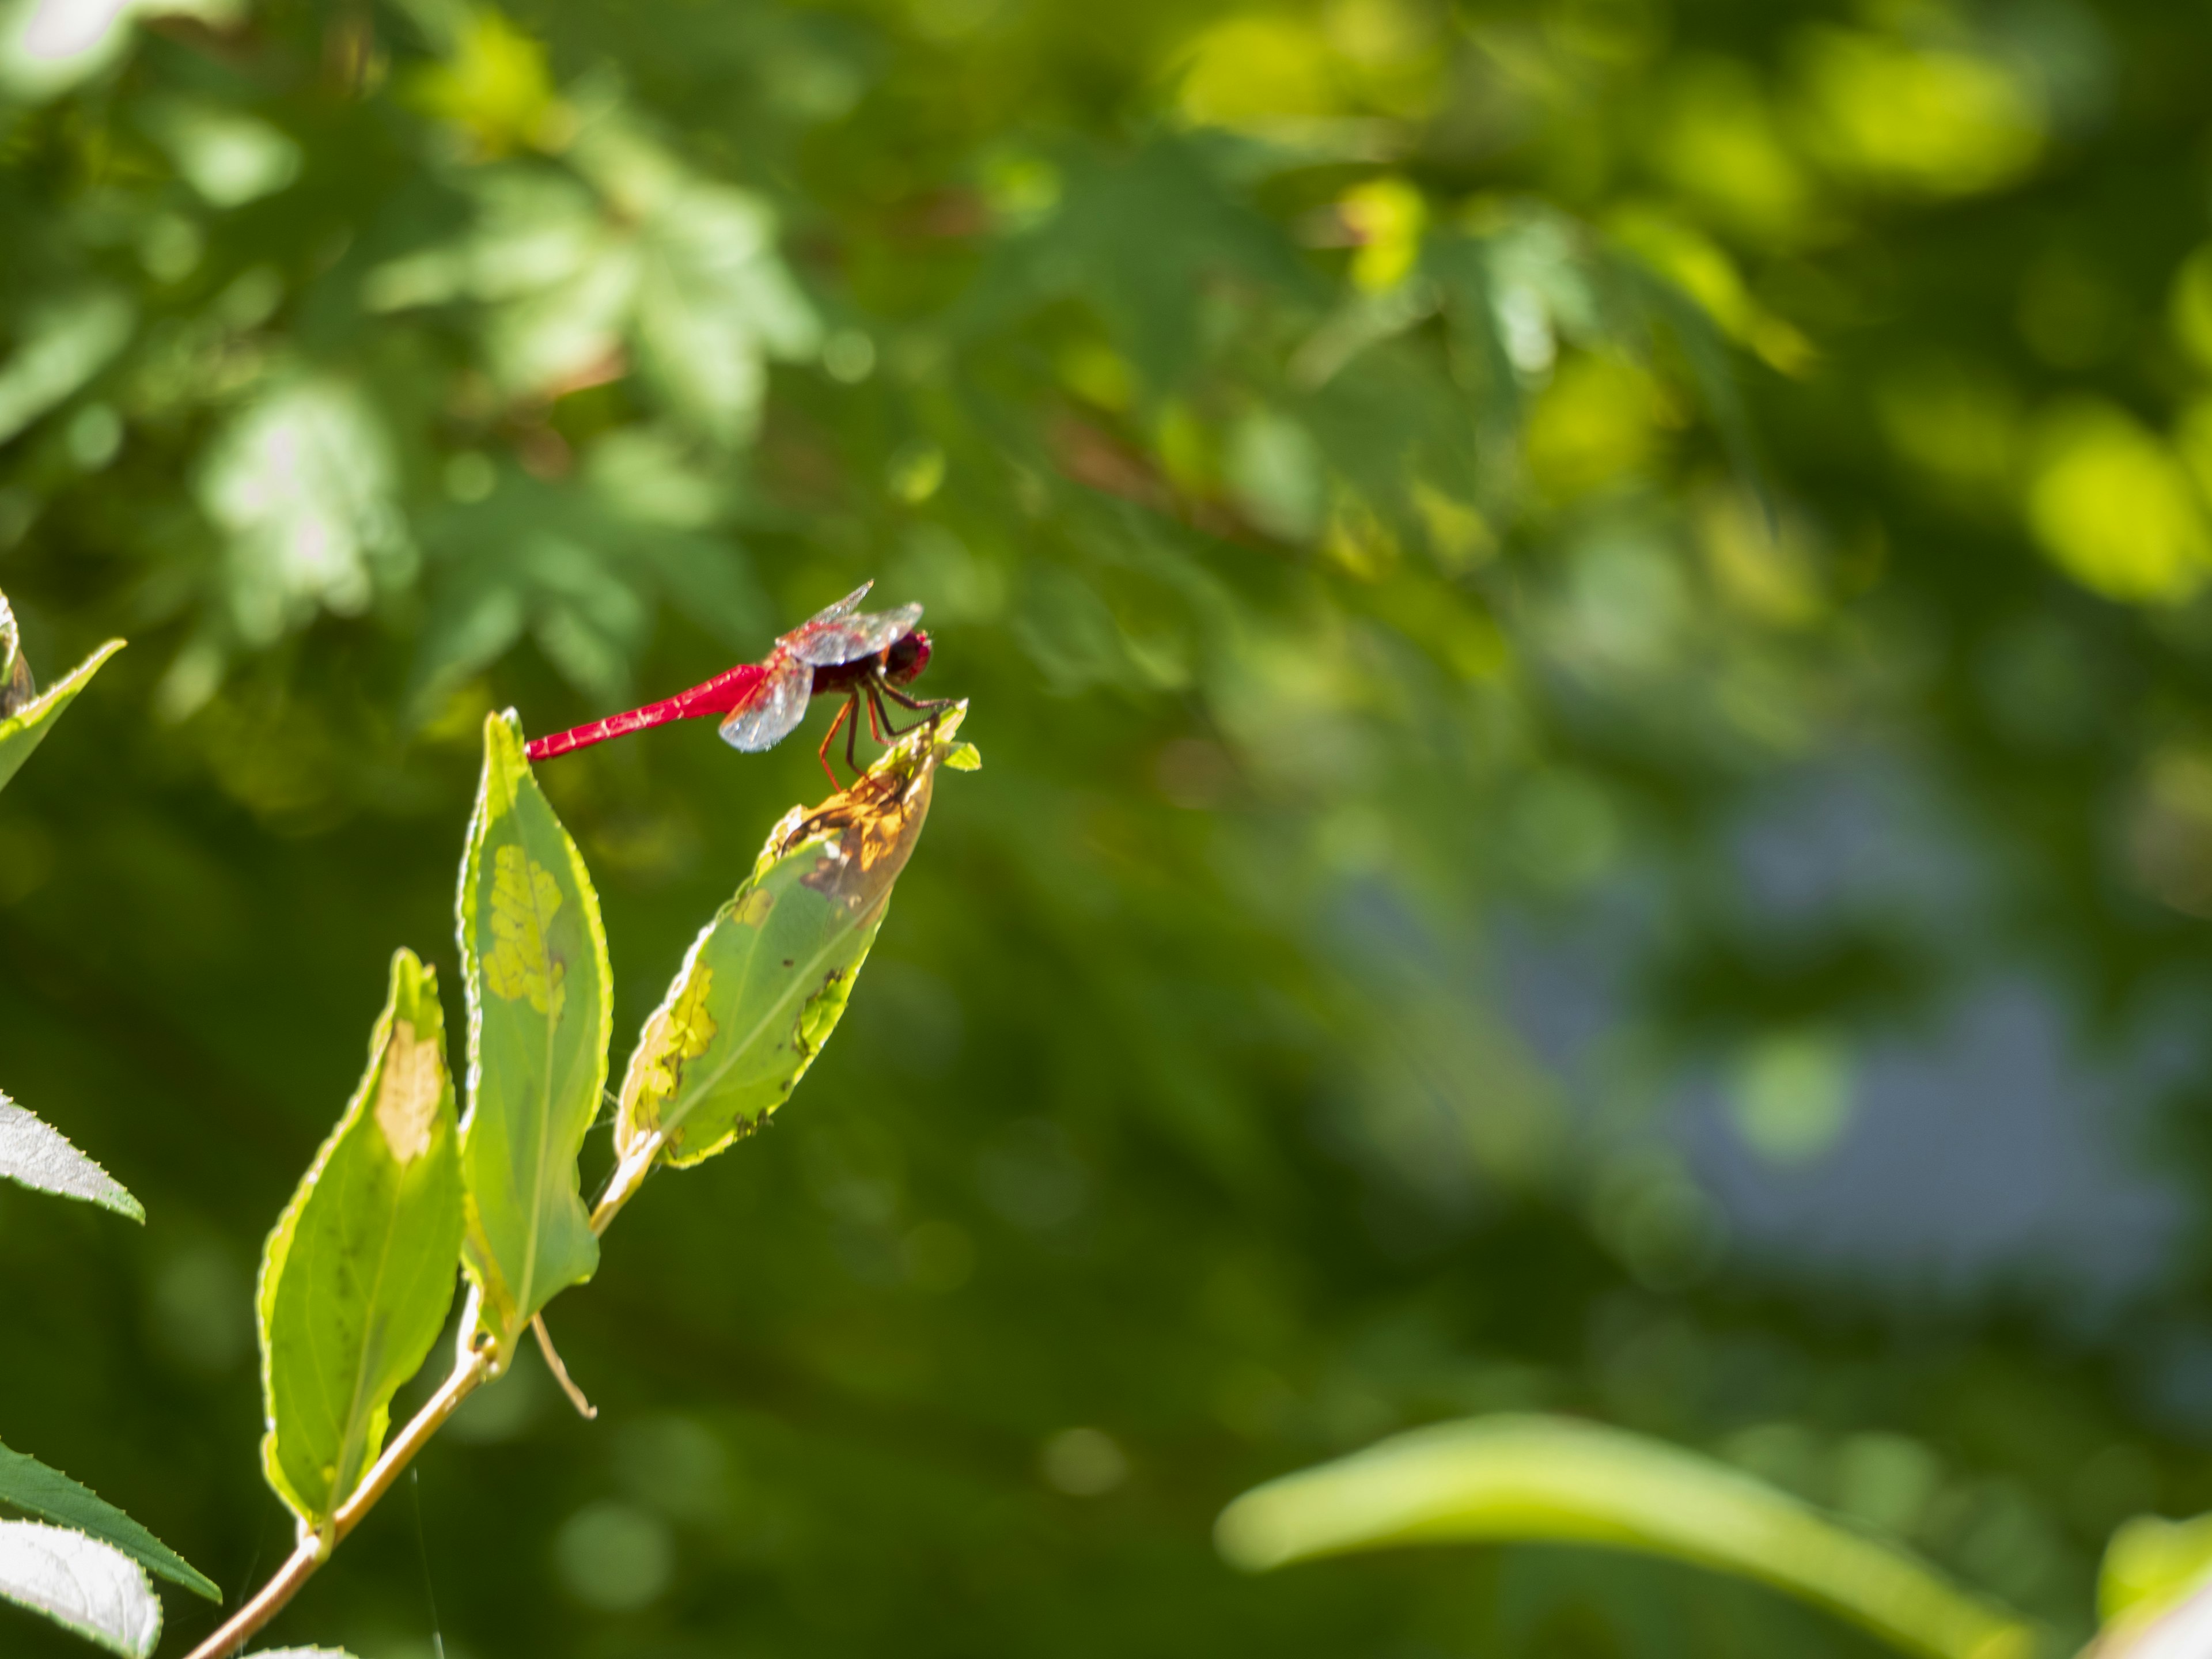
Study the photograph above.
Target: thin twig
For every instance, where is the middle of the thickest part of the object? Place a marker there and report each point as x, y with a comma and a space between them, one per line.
471, 1370
630, 1175
585, 1408
472, 1367
239, 1627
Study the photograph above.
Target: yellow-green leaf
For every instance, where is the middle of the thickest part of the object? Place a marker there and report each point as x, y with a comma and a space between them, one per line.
26, 728
1511, 1478
2151, 1563
766, 983
358, 1275
534, 955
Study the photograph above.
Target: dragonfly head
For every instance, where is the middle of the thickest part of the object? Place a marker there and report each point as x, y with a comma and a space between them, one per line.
907, 656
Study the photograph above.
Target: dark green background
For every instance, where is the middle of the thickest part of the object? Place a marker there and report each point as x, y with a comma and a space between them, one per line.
1534, 939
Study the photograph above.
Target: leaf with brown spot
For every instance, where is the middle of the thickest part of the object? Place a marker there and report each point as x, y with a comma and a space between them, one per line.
359, 1273
766, 982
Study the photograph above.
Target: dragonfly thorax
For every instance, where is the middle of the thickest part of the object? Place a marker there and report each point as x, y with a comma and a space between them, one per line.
896, 664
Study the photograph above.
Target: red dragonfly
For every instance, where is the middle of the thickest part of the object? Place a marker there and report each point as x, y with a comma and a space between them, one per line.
843, 652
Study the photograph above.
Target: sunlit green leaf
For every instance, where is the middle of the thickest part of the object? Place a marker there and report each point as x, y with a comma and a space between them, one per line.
304, 483
2164, 1630
83, 1585
358, 1274
1508, 1478
27, 728
2150, 1564
28, 1484
766, 982
39, 1157
535, 957
64, 345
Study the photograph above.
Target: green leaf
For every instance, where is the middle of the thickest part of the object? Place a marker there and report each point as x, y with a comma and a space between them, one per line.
2151, 1563
299, 1653
27, 728
39, 1157
28, 1484
766, 983
2178, 1629
83, 1585
534, 956
358, 1275
1511, 1478
65, 343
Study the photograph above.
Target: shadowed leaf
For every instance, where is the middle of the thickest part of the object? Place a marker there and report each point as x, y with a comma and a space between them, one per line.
28, 1484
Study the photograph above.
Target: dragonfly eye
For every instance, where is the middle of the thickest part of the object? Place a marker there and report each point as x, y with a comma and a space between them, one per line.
908, 657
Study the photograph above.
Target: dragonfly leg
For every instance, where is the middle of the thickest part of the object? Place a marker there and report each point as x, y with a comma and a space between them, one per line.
852, 731
919, 705
830, 737
875, 711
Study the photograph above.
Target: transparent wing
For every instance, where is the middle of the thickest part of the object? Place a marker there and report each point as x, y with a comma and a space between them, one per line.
768, 716
844, 607
848, 639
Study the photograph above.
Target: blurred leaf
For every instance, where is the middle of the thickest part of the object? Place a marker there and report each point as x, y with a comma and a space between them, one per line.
25, 729
1677, 315
1506, 1479
534, 958
28, 1484
231, 158
84, 1586
2178, 1629
358, 1274
39, 1157
2151, 1563
306, 485
65, 344
766, 982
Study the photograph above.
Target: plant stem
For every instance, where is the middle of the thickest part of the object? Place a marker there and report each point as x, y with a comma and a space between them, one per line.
472, 1368
469, 1371
630, 1175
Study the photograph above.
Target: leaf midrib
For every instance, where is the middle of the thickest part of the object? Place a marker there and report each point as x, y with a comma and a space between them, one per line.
694, 1098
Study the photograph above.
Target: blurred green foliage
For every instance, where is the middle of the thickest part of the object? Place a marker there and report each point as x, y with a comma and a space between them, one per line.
1589, 618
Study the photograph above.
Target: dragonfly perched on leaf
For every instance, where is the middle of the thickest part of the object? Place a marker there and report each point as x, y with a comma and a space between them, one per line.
861, 656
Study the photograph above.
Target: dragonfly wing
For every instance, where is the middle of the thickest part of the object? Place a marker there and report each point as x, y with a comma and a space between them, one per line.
775, 707
844, 607
850, 638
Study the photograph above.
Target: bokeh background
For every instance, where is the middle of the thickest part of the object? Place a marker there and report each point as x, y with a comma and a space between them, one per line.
1588, 625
